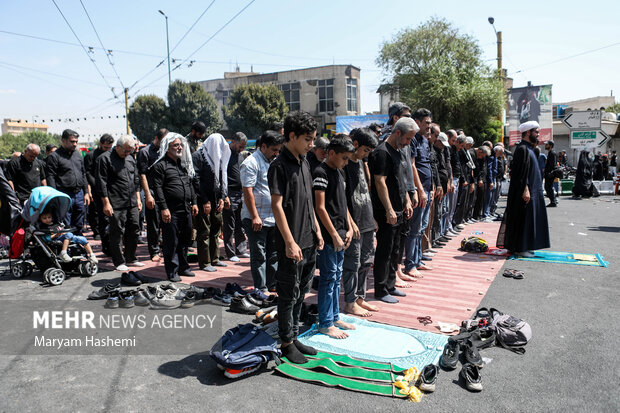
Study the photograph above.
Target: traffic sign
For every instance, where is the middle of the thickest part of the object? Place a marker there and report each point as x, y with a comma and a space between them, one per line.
582, 138
587, 119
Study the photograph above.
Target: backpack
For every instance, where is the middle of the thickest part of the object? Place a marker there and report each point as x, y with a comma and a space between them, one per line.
511, 332
246, 345
17, 243
474, 244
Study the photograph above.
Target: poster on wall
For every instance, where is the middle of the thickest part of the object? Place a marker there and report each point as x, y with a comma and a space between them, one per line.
530, 103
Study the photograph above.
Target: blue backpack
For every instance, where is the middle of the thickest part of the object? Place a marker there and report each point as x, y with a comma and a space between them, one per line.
244, 346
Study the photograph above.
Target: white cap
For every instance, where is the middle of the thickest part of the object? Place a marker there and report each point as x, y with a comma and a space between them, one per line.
443, 138
524, 127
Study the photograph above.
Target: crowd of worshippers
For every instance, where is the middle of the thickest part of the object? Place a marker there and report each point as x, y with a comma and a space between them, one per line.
296, 203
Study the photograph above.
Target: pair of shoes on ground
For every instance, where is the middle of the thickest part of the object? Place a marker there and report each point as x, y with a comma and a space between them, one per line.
516, 274
133, 279
125, 267
265, 316
470, 372
104, 292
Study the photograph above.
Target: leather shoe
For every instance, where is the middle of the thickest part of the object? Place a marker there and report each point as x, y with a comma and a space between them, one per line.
243, 306
444, 239
130, 279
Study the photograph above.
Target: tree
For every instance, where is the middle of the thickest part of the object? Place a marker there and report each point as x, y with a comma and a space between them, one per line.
252, 108
188, 102
10, 144
615, 108
147, 114
437, 67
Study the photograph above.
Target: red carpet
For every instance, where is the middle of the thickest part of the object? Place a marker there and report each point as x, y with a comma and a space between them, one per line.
449, 293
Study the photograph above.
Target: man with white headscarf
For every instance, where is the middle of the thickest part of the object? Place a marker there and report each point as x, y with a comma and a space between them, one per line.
211, 186
524, 226
172, 176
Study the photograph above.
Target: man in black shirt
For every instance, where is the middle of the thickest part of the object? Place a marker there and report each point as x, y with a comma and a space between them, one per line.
391, 205
455, 166
197, 133
481, 177
97, 220
146, 158
550, 166
119, 188
317, 154
65, 172
299, 235
26, 172
176, 200
231, 224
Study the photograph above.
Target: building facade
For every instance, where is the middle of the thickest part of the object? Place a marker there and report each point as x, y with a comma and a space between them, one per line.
18, 126
325, 91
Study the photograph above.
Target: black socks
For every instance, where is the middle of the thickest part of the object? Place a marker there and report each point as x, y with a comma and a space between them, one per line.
292, 353
311, 351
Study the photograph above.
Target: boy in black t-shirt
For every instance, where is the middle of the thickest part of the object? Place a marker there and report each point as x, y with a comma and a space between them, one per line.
331, 208
358, 257
299, 235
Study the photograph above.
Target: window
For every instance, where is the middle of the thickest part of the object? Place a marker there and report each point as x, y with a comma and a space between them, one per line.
225, 94
352, 95
326, 95
291, 94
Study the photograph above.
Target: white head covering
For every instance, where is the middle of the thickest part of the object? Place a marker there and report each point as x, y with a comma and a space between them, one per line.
532, 124
216, 151
186, 156
443, 138
469, 140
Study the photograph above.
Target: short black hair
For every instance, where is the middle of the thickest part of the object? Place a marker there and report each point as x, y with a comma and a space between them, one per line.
421, 114
161, 133
375, 127
49, 147
298, 122
239, 137
67, 133
537, 151
340, 144
277, 125
550, 143
199, 127
106, 138
365, 137
271, 138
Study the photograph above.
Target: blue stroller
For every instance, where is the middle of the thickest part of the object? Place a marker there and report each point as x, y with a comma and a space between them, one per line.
45, 254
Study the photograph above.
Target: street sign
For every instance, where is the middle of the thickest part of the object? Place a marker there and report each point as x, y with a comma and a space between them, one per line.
579, 139
587, 119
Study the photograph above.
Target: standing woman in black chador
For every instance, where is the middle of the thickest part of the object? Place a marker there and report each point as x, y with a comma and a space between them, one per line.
584, 187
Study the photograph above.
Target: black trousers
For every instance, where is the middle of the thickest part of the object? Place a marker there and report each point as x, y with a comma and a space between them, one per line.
471, 201
386, 258
479, 205
93, 218
153, 226
461, 205
177, 236
124, 230
293, 281
103, 223
232, 226
549, 190
208, 229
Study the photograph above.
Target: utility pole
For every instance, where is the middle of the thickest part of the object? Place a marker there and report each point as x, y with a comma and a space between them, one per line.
167, 46
127, 110
500, 71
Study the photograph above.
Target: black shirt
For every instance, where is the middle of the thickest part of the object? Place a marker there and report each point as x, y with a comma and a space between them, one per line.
434, 168
333, 183
481, 168
234, 166
290, 177
421, 151
147, 157
90, 165
384, 160
358, 196
313, 161
65, 171
25, 175
442, 168
552, 162
206, 184
117, 179
172, 186
455, 164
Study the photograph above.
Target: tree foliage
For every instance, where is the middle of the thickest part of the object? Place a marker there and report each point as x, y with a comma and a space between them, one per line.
437, 67
252, 108
147, 114
10, 144
187, 102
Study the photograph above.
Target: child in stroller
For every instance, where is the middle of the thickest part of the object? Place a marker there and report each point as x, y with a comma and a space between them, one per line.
56, 233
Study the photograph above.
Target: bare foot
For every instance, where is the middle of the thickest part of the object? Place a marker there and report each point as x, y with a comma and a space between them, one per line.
366, 305
345, 326
406, 277
425, 267
414, 273
401, 284
333, 332
353, 308
156, 258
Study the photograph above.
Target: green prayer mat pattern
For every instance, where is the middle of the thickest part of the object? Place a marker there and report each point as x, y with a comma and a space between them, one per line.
353, 362
592, 260
383, 343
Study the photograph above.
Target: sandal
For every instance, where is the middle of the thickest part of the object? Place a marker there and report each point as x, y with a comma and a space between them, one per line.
516, 274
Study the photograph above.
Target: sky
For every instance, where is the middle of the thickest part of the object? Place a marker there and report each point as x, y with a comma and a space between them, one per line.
573, 45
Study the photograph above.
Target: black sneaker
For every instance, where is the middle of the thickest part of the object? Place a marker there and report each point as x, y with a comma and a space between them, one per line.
139, 277
142, 297
428, 378
128, 278
234, 290
450, 356
189, 300
126, 299
104, 292
472, 355
470, 375
112, 301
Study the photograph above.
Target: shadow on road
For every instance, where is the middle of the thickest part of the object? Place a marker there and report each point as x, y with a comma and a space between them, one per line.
604, 229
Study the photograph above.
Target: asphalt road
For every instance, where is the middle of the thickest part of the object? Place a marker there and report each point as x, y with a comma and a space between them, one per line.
572, 364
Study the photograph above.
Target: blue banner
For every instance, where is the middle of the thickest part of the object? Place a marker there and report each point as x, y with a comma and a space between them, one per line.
344, 124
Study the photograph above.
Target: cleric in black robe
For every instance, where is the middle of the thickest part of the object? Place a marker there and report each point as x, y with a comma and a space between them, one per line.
583, 186
524, 226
